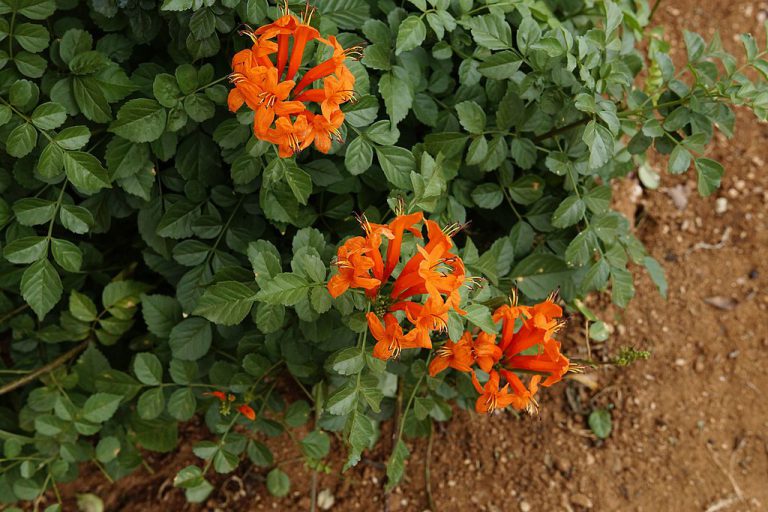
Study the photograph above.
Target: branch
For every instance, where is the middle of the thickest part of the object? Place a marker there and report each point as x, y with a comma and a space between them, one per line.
63, 358
562, 129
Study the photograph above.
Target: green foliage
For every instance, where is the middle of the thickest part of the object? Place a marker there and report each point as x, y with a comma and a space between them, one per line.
154, 251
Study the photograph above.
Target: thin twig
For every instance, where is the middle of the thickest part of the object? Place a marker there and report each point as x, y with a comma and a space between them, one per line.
45, 369
557, 131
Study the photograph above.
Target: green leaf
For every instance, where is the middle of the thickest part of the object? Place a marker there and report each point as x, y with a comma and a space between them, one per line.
397, 95
161, 313
622, 287
90, 97
29, 64
500, 65
487, 195
300, 183
100, 407
598, 200
410, 34
82, 307
182, 404
148, 369
396, 465
73, 137
191, 339
66, 254
41, 287
140, 120
226, 303
21, 141
527, 190
397, 164
347, 14
358, 156
342, 401
32, 211
600, 142
710, 173
278, 483
85, 172
176, 5
125, 158
49, 116
151, 404
538, 274
492, 32
36, 9
315, 445
694, 44
26, 250
297, 414
348, 361
570, 211
107, 449
287, 289
471, 116
32, 37
600, 423
656, 271
480, 315
87, 63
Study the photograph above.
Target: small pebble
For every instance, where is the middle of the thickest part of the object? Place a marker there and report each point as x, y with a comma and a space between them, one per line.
721, 205
581, 501
525, 506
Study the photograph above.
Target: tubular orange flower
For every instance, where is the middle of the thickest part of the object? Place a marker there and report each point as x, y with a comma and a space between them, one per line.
353, 266
456, 355
390, 338
491, 397
283, 115
361, 264
247, 411
484, 350
221, 396
524, 397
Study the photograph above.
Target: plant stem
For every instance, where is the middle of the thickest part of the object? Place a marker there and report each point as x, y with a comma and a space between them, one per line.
45, 369
13, 313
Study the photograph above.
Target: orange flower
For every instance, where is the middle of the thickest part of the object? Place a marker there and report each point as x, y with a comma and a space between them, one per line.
334, 92
549, 361
523, 398
353, 266
221, 396
484, 350
361, 264
282, 114
456, 355
322, 130
389, 337
288, 135
427, 317
247, 411
491, 397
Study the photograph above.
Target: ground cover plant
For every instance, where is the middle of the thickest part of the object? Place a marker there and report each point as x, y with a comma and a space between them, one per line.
317, 217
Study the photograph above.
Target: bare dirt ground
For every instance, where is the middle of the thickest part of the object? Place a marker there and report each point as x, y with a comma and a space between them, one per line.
689, 426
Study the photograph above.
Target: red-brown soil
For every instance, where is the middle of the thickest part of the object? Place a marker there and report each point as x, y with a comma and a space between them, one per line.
689, 425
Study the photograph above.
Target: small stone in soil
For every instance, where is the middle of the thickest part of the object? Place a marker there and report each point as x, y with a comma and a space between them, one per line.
581, 501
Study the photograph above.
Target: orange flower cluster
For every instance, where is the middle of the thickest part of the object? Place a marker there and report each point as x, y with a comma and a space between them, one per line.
433, 272
281, 106
225, 406
511, 353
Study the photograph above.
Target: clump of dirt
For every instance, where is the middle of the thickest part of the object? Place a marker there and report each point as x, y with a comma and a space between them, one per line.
688, 425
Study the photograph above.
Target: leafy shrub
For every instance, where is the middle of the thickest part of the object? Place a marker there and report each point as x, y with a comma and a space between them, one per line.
160, 261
